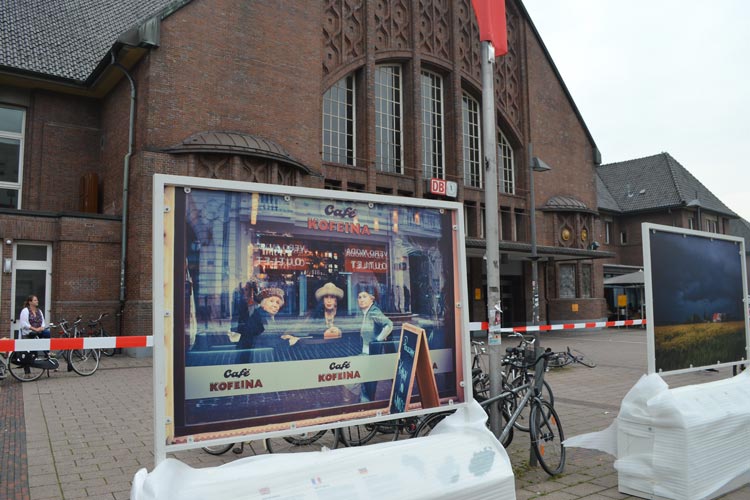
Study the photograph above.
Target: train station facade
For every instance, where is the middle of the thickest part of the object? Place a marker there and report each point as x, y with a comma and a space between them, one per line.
352, 95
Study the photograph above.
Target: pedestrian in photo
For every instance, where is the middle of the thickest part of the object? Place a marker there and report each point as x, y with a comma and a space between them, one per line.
375, 326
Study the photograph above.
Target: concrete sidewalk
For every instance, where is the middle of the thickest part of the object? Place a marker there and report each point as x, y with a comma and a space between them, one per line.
85, 437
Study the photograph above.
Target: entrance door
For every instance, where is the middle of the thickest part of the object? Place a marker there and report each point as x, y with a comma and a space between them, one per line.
32, 272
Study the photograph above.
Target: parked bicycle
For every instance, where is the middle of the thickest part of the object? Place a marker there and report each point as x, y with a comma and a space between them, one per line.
307, 441
567, 357
96, 329
545, 427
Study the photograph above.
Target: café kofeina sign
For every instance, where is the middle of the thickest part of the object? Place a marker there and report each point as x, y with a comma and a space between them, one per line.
442, 187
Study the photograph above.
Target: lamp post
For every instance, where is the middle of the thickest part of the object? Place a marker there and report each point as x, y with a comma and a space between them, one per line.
535, 165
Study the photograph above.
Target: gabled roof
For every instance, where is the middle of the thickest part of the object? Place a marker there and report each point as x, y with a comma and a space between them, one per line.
68, 39
652, 183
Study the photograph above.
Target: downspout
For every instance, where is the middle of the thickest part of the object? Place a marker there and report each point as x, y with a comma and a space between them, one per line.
125, 183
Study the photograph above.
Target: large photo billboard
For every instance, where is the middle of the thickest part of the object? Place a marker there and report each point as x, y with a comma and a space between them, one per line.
289, 304
696, 293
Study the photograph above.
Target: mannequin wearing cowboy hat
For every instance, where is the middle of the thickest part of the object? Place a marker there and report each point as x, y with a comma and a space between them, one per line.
328, 295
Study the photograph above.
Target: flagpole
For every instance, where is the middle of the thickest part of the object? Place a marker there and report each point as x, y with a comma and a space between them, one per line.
489, 146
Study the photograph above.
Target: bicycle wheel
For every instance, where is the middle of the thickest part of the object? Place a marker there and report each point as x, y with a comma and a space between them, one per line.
307, 441
522, 422
218, 449
581, 358
84, 361
357, 435
109, 351
547, 437
21, 368
429, 422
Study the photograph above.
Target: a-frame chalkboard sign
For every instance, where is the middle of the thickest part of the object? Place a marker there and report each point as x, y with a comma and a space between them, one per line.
413, 363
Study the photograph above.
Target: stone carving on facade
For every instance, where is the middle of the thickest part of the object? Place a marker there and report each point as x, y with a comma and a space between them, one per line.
507, 68
393, 21
343, 33
434, 28
244, 168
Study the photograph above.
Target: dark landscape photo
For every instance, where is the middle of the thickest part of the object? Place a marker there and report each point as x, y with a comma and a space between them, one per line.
698, 309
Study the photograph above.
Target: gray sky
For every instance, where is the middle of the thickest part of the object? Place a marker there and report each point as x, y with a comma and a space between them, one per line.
660, 75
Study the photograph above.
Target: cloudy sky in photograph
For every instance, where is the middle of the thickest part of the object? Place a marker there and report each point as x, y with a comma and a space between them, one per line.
652, 76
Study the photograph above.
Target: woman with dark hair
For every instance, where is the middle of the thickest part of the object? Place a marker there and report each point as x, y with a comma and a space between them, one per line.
32, 319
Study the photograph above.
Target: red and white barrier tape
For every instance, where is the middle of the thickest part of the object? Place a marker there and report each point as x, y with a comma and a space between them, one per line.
7, 345
484, 326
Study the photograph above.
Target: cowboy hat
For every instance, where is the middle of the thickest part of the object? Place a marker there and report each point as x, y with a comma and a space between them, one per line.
329, 289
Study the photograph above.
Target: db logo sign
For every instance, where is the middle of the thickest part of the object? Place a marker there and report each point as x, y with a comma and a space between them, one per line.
443, 188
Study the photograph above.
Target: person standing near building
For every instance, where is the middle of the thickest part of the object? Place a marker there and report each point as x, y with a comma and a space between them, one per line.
375, 327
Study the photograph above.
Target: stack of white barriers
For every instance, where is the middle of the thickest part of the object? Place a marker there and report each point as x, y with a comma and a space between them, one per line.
687, 443
460, 459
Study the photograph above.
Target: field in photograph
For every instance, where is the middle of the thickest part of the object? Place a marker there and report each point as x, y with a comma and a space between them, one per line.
698, 344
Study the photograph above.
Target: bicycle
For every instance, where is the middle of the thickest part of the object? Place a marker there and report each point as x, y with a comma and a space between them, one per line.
82, 361
307, 441
545, 427
361, 434
27, 366
567, 357
96, 329
511, 376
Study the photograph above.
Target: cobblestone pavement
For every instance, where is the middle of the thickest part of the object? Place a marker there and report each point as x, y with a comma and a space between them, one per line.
85, 437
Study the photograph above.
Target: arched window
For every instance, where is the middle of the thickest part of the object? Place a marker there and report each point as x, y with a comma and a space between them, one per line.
471, 122
338, 122
506, 175
388, 119
433, 156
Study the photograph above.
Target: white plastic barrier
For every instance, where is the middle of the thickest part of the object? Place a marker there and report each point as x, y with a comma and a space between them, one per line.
687, 443
459, 459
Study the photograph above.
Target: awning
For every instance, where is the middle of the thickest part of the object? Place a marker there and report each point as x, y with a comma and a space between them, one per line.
635, 278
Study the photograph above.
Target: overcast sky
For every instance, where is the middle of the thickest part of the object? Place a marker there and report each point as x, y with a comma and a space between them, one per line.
660, 75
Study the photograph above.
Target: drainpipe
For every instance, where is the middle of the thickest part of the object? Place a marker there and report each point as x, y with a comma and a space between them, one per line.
125, 183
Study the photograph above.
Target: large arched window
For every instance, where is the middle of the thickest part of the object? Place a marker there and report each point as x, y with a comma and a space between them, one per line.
338, 122
471, 123
433, 155
388, 119
507, 176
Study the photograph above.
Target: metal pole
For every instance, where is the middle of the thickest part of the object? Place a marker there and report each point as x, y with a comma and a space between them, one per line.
538, 372
489, 145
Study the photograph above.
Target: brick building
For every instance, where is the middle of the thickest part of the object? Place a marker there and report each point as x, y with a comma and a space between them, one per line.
350, 95
655, 189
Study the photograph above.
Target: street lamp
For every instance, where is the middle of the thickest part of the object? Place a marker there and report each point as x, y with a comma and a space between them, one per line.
535, 165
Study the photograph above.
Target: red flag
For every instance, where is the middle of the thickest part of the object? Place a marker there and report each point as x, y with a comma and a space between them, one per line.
491, 19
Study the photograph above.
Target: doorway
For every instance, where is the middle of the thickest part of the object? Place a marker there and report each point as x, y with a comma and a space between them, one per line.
32, 273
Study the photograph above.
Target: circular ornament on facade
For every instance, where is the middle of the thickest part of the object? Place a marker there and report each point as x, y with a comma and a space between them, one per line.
565, 234
584, 235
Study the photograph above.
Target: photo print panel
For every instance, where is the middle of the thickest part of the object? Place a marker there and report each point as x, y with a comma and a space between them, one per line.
696, 291
289, 303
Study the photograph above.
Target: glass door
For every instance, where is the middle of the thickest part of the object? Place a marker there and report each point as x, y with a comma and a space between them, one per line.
32, 272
